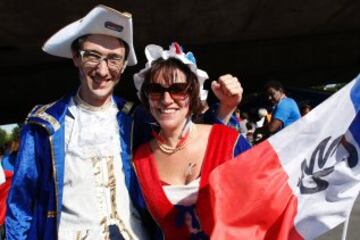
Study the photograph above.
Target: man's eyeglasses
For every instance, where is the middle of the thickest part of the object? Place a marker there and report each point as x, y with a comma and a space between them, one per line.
178, 91
93, 59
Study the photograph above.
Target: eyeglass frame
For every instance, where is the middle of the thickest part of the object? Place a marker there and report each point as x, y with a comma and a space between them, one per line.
100, 59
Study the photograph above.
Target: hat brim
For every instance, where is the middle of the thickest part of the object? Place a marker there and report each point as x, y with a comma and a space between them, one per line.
101, 20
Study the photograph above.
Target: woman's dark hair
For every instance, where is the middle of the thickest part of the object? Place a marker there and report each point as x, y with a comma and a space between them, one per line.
166, 68
77, 45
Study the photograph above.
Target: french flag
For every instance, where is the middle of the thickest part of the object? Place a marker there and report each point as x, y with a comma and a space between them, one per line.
5, 183
299, 183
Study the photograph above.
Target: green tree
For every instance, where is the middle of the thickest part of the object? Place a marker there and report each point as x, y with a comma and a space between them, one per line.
3, 137
15, 133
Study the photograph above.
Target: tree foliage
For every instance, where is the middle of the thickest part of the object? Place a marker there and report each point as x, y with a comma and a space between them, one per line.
3, 137
15, 133
6, 138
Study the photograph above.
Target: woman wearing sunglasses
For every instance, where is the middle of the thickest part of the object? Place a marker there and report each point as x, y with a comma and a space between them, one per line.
174, 167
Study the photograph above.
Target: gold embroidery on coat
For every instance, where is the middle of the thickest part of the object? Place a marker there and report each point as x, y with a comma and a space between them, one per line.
51, 214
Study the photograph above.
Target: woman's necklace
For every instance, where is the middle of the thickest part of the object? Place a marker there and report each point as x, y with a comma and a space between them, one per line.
183, 142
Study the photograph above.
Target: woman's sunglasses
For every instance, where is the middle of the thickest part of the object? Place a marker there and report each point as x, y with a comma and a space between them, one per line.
178, 91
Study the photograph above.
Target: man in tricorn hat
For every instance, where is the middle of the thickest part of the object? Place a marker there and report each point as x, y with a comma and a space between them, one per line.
73, 177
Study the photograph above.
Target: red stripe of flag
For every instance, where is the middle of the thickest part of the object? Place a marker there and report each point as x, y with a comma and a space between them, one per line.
4, 191
253, 199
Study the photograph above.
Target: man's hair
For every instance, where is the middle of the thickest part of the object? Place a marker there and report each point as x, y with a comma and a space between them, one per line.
274, 84
77, 45
304, 104
166, 68
244, 115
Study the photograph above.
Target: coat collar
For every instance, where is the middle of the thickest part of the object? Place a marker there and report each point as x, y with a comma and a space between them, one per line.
50, 116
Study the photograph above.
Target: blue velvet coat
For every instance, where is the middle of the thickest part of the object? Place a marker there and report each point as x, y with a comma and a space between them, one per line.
35, 199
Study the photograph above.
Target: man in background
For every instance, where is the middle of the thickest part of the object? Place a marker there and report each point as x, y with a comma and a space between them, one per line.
285, 110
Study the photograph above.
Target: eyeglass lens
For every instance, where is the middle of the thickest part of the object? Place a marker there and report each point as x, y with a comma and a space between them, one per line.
177, 91
94, 59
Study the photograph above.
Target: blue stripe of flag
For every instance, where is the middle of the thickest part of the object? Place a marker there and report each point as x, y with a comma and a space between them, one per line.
355, 98
355, 128
355, 94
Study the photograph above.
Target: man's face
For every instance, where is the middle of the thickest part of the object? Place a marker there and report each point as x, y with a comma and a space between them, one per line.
98, 76
274, 96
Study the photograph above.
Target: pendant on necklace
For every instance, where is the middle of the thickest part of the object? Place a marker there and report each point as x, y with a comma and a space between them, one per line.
169, 150
189, 169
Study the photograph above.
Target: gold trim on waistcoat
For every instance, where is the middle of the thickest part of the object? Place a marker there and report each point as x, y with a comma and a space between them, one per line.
51, 214
55, 179
111, 185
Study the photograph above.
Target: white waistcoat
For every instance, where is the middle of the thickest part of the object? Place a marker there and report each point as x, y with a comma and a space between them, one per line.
95, 195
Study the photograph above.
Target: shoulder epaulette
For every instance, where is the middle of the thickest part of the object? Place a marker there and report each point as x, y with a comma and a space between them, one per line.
39, 113
33, 110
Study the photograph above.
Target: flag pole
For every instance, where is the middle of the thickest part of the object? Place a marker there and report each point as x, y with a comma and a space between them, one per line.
346, 223
345, 228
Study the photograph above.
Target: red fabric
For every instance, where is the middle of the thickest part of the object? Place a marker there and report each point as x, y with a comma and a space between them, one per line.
220, 148
4, 191
251, 199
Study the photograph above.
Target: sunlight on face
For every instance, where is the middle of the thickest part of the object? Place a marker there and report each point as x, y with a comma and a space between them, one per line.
98, 81
168, 112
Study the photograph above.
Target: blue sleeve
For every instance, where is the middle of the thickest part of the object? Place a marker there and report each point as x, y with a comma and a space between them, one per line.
143, 123
8, 161
282, 111
210, 117
23, 189
241, 146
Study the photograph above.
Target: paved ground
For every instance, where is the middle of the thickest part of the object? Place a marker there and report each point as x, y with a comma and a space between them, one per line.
353, 230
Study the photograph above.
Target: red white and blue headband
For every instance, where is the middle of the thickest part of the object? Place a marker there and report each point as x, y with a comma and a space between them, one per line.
154, 52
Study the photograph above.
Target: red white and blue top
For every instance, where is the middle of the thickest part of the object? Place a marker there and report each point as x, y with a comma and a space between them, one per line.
186, 221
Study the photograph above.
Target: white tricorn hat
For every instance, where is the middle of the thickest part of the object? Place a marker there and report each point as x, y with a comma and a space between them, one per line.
100, 20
